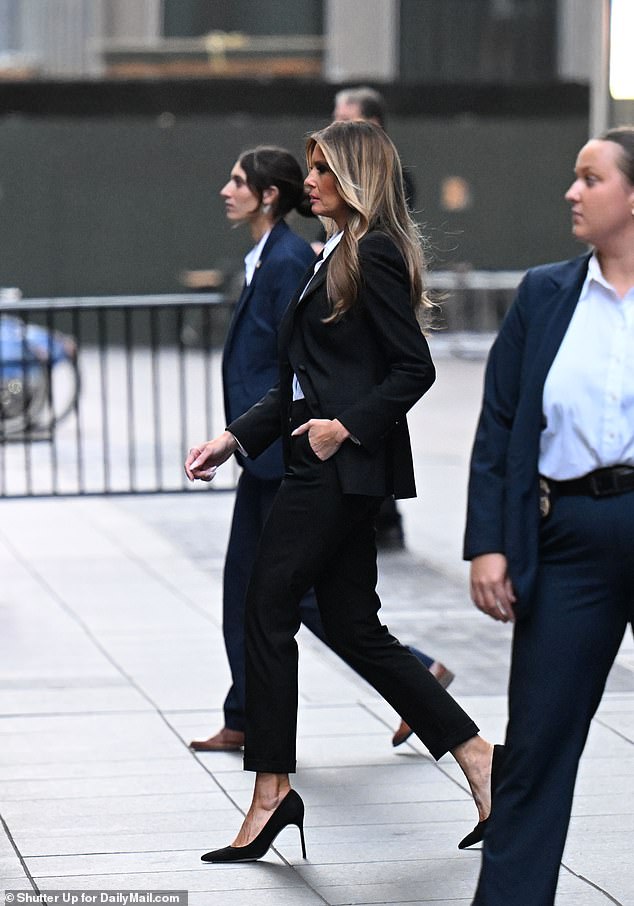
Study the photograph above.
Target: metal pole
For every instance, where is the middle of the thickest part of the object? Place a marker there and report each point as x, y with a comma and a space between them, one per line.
600, 107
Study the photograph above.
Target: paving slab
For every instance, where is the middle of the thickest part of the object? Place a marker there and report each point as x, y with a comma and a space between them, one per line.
112, 660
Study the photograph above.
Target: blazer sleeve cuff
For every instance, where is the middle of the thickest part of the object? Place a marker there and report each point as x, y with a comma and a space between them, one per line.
240, 447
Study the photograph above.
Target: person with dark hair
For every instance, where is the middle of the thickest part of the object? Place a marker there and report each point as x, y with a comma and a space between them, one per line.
550, 520
352, 361
266, 184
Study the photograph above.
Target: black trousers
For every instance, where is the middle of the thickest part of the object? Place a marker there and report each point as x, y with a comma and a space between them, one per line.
254, 497
562, 654
317, 536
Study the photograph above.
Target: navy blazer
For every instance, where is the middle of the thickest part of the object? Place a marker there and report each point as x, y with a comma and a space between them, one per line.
503, 503
367, 369
249, 362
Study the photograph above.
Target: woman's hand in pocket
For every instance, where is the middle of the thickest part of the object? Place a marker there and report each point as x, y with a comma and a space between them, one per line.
325, 436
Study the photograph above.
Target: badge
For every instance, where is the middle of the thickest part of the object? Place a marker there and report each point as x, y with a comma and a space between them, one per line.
544, 497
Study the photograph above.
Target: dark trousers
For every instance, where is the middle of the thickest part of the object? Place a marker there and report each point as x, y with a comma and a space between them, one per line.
316, 536
562, 654
254, 498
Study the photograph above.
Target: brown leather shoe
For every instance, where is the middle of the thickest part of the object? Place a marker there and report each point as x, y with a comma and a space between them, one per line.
224, 741
445, 678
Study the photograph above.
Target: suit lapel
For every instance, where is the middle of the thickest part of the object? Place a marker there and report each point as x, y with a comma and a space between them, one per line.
277, 232
314, 282
311, 282
240, 306
557, 318
546, 334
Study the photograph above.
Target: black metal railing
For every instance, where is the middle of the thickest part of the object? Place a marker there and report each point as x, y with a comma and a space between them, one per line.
104, 395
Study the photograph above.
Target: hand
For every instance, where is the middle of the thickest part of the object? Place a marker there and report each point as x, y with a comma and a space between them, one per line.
491, 589
203, 460
325, 435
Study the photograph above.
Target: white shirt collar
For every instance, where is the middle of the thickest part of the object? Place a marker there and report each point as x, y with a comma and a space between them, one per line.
595, 275
252, 259
329, 247
594, 272
332, 244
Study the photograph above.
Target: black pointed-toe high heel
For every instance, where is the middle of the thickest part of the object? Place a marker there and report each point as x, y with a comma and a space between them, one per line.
477, 834
289, 811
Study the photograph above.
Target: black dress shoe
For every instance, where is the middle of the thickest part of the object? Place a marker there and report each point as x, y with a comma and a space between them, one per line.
477, 834
289, 811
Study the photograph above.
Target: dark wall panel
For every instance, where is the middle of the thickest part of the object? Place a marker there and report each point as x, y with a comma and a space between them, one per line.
123, 204
263, 17
103, 206
465, 41
517, 172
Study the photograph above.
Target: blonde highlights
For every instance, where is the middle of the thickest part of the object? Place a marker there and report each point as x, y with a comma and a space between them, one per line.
366, 165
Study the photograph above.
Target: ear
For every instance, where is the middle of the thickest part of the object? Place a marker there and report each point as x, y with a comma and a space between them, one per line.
270, 195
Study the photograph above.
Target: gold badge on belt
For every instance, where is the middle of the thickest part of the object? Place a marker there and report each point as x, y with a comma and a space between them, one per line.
544, 497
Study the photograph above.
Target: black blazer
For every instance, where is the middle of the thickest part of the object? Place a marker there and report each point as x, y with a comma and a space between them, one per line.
367, 370
503, 502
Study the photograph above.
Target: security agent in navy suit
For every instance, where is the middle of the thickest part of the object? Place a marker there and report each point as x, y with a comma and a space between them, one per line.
266, 184
550, 522
248, 370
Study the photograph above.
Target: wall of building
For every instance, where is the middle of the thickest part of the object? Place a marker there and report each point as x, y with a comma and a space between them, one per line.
478, 40
262, 17
124, 201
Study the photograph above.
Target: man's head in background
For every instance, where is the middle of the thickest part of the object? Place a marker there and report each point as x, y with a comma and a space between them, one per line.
360, 103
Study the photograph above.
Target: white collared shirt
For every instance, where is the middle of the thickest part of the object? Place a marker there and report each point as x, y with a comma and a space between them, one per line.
588, 399
330, 246
252, 259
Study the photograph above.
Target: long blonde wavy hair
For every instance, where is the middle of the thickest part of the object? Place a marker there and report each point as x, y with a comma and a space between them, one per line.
369, 178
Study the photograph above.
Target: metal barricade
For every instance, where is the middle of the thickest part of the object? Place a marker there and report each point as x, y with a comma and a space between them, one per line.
473, 301
104, 395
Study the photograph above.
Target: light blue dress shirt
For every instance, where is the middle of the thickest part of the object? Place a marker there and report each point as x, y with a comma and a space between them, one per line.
588, 399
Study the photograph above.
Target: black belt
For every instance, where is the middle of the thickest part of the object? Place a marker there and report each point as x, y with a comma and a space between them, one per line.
600, 483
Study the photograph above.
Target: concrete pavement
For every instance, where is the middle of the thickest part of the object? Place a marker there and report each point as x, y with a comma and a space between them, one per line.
111, 660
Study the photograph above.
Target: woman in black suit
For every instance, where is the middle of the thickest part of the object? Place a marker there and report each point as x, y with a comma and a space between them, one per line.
550, 525
266, 183
353, 360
